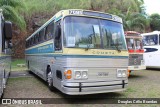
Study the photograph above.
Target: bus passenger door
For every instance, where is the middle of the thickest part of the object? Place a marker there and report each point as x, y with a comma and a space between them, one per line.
58, 40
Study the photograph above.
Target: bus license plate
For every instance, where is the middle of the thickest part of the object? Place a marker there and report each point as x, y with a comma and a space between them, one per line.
103, 74
136, 67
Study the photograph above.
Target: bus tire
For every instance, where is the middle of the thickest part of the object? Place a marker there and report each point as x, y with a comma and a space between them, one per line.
49, 79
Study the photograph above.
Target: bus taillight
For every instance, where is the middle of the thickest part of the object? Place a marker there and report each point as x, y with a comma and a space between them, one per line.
131, 50
140, 51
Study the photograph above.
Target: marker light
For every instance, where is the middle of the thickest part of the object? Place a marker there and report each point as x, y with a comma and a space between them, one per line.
68, 74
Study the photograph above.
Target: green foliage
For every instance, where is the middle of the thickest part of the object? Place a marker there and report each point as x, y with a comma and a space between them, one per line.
51, 6
155, 21
132, 11
18, 61
10, 11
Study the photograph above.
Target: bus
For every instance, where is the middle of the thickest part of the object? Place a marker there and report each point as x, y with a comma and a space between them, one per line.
151, 42
80, 52
5, 51
136, 51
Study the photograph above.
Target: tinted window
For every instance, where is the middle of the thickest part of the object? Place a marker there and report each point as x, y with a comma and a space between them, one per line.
150, 40
82, 32
49, 31
41, 35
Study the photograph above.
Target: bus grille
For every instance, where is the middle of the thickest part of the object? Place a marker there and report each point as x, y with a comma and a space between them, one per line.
135, 59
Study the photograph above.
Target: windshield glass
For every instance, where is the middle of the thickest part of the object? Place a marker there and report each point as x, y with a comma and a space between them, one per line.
112, 35
83, 32
150, 40
134, 43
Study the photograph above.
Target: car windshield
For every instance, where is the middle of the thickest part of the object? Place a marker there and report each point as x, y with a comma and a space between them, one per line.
83, 32
150, 40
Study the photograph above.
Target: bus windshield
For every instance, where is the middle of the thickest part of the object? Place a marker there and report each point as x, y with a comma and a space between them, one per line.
133, 44
150, 40
83, 32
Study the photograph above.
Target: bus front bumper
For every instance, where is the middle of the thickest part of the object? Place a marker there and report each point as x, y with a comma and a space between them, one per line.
138, 67
81, 88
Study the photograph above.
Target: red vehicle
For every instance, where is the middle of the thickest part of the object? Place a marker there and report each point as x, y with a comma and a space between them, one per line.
135, 49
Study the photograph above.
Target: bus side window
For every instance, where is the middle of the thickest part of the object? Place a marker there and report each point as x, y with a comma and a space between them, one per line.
29, 42
36, 38
26, 44
57, 40
42, 35
32, 41
49, 31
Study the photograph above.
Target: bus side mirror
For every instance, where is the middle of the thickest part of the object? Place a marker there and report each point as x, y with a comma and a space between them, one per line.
8, 30
58, 32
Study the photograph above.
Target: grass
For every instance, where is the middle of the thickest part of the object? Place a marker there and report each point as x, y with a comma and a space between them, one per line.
14, 66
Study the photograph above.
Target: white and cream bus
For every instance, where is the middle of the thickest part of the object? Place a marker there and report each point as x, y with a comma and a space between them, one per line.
135, 50
80, 52
5, 51
151, 42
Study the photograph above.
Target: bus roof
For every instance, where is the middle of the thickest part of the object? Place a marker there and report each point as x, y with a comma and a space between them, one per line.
151, 33
78, 12
131, 33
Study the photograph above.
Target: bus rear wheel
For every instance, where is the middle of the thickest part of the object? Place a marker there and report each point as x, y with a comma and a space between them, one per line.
50, 81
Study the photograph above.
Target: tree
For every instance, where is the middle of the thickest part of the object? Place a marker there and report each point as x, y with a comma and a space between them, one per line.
134, 21
155, 22
133, 15
10, 12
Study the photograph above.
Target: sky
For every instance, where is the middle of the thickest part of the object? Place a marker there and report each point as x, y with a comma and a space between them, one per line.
152, 6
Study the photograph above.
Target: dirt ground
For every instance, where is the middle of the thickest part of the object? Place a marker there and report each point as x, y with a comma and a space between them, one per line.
142, 84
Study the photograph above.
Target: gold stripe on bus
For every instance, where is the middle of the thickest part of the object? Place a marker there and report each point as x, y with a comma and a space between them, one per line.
101, 52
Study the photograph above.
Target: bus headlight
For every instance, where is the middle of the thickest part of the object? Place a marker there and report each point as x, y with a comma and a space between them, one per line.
124, 74
121, 73
84, 75
77, 75
81, 74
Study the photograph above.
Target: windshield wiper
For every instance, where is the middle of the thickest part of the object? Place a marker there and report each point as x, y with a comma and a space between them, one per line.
87, 48
89, 41
116, 45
